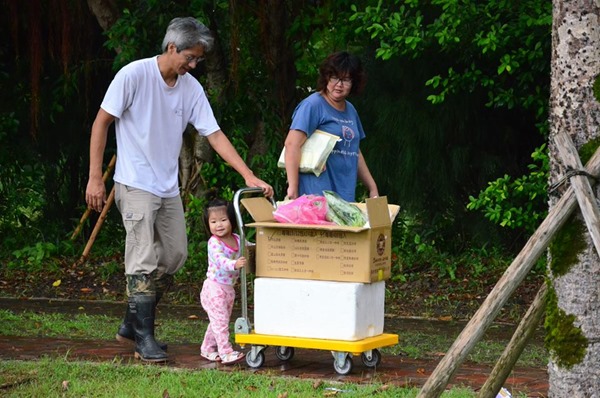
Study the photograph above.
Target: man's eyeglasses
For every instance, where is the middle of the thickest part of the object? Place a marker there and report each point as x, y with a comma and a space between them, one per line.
345, 81
191, 58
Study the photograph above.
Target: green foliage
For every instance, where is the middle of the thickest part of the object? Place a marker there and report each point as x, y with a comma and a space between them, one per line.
503, 46
22, 184
517, 203
32, 238
415, 247
197, 261
22, 193
123, 40
109, 269
492, 54
41, 256
271, 172
33, 256
323, 29
218, 175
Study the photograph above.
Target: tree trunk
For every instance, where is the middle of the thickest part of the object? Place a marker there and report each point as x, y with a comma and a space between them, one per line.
105, 11
573, 316
275, 20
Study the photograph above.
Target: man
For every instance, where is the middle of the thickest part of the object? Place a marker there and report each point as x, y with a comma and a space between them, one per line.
152, 101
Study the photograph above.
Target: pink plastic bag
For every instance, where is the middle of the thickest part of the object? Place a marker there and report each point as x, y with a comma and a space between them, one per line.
307, 209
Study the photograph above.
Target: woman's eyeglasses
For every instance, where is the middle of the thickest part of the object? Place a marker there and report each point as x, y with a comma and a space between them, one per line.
345, 81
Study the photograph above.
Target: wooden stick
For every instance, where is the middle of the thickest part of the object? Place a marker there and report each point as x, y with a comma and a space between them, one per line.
515, 347
526, 328
510, 280
90, 243
88, 211
581, 185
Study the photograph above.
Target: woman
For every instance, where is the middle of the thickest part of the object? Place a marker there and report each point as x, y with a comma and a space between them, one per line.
340, 75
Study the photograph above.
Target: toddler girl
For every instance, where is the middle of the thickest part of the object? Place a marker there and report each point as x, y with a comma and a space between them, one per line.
218, 293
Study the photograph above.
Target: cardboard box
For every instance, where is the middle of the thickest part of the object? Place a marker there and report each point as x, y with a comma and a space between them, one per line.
318, 309
324, 252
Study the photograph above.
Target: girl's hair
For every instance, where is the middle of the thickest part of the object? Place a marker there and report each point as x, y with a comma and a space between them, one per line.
342, 64
186, 33
212, 205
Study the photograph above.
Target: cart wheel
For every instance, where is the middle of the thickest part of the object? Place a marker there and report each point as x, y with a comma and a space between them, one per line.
346, 368
257, 361
284, 353
374, 361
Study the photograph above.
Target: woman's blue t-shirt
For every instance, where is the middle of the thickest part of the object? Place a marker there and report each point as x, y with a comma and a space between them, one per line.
341, 170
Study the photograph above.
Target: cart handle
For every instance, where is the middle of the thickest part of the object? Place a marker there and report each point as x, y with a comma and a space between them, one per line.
240, 223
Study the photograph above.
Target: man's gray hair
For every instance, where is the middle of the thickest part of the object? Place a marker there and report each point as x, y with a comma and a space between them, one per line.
186, 33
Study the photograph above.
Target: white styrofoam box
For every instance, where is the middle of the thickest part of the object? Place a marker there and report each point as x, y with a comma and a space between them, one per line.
318, 309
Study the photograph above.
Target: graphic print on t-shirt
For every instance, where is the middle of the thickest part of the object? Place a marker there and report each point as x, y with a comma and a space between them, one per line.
348, 135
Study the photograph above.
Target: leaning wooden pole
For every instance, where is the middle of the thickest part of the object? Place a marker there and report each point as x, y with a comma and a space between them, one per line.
515, 347
510, 280
582, 186
87, 212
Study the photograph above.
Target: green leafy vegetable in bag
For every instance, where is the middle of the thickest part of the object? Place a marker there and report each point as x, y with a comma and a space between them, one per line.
342, 212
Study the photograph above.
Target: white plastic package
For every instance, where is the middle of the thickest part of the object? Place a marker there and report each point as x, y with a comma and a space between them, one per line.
315, 151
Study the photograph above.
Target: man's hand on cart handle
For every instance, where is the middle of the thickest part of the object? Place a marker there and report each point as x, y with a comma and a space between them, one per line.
254, 181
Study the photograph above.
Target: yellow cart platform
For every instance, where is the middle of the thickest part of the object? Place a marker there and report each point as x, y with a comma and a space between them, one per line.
342, 350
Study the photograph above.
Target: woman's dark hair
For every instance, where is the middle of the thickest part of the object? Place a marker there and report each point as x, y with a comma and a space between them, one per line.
214, 203
342, 64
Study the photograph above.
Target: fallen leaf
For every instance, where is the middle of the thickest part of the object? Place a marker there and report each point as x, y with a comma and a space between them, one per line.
166, 394
56, 283
193, 317
86, 290
317, 384
421, 371
283, 395
445, 318
65, 385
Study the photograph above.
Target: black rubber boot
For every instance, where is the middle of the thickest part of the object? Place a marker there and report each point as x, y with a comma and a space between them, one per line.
143, 311
126, 335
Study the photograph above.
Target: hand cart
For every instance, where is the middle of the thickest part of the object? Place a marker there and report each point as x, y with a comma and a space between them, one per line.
342, 350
